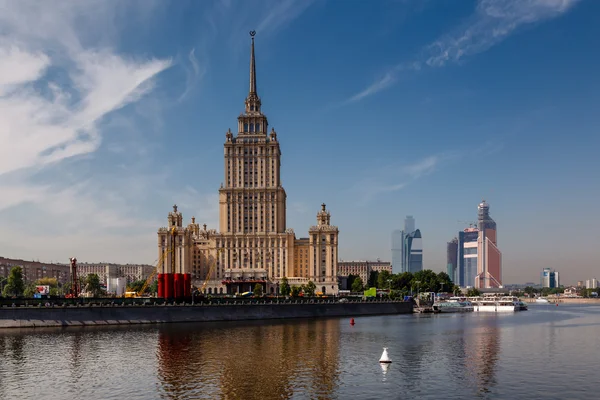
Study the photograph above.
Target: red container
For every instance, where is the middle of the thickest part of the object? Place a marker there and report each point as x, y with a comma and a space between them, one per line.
161, 285
178, 286
168, 290
187, 285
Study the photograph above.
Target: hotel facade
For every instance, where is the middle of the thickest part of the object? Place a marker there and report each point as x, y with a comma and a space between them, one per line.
253, 244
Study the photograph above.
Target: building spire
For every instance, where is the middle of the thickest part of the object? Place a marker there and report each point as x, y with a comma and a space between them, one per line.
252, 67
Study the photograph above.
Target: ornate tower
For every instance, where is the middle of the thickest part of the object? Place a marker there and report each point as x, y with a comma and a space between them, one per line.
252, 200
324, 252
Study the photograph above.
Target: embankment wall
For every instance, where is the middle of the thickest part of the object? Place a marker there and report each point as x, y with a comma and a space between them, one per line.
21, 317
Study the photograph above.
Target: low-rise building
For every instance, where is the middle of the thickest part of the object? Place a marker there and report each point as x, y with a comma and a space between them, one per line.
362, 268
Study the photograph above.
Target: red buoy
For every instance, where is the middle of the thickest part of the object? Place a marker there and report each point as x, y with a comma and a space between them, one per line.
351, 321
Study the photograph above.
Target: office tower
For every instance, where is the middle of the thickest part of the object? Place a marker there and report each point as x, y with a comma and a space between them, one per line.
467, 257
549, 279
409, 224
452, 259
397, 250
489, 259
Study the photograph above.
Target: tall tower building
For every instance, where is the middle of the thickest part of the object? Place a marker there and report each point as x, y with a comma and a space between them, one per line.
397, 251
409, 224
452, 259
489, 257
253, 245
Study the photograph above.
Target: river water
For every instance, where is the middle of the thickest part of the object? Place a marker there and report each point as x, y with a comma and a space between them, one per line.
548, 352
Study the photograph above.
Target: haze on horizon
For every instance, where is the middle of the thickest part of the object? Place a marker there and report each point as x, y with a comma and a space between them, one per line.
111, 112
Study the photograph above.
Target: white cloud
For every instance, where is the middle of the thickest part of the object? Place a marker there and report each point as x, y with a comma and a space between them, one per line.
492, 22
55, 93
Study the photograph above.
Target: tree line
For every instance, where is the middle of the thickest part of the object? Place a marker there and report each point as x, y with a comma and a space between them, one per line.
405, 283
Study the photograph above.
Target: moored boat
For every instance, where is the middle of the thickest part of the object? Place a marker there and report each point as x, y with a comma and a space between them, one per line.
453, 305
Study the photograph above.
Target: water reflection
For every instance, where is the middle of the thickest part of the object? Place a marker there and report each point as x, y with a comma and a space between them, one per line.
252, 360
482, 348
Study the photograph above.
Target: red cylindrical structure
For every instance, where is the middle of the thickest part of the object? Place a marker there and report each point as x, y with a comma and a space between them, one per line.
178, 286
187, 285
161, 285
168, 289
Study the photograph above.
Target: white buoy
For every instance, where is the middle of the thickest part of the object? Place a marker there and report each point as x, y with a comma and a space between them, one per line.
385, 359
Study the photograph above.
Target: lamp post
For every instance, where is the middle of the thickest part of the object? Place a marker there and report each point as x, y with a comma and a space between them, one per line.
277, 291
390, 288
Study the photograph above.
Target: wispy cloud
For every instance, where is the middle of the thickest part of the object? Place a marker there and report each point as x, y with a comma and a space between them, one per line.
58, 85
492, 22
194, 73
282, 13
393, 177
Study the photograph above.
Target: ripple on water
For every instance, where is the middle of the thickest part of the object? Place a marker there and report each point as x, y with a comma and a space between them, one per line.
544, 353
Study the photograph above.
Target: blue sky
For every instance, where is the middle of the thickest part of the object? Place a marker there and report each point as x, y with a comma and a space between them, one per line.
112, 111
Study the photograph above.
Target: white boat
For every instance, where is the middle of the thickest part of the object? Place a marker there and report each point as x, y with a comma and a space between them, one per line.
453, 305
492, 304
541, 300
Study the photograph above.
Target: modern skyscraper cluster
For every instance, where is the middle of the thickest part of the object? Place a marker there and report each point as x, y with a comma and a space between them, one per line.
473, 259
407, 248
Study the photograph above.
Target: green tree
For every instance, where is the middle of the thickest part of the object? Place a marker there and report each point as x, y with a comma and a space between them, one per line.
382, 280
92, 285
47, 281
30, 290
295, 291
14, 283
258, 290
373, 279
357, 285
136, 286
402, 281
309, 289
284, 287
473, 292
444, 282
456, 290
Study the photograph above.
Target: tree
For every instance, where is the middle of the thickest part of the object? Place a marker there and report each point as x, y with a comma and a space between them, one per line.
473, 292
402, 281
92, 285
284, 287
258, 290
351, 279
295, 291
309, 289
30, 290
444, 282
14, 284
373, 279
357, 285
47, 281
382, 280
154, 286
456, 290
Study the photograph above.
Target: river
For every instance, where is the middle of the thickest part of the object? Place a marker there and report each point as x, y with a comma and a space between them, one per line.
548, 352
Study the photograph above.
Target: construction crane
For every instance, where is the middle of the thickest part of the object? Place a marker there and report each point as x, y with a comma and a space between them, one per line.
150, 277
210, 270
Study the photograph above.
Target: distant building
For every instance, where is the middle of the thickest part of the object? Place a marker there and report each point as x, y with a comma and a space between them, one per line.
407, 248
106, 272
409, 224
34, 270
452, 259
397, 250
467, 257
362, 268
591, 283
580, 284
489, 257
549, 279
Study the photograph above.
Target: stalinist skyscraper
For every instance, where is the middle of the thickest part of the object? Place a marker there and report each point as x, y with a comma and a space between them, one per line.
253, 245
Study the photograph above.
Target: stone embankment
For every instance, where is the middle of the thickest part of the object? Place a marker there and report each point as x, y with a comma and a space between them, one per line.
91, 315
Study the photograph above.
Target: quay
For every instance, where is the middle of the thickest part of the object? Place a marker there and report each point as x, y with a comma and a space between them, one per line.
94, 314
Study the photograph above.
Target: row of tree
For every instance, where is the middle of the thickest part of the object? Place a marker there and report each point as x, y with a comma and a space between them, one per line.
405, 283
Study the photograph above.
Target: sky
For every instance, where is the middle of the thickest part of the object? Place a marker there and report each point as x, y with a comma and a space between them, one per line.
113, 111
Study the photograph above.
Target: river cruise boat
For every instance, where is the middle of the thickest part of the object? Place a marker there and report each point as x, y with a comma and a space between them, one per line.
453, 305
492, 304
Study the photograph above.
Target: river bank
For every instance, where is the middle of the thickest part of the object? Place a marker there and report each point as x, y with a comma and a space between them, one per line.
22, 317
567, 300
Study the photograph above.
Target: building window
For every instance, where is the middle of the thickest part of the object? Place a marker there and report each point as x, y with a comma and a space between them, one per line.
245, 127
